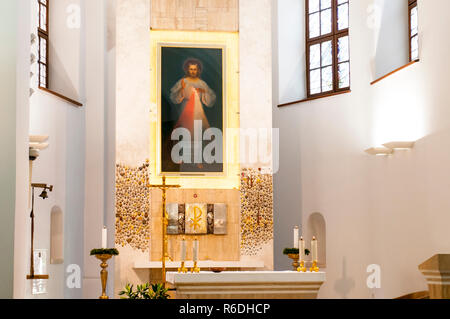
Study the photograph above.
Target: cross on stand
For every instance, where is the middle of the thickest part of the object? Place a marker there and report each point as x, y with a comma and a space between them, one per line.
165, 221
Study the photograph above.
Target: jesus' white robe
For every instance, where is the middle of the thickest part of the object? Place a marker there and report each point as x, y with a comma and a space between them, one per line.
192, 102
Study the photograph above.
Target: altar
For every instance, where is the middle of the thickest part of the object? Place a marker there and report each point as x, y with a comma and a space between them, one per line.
194, 177
247, 285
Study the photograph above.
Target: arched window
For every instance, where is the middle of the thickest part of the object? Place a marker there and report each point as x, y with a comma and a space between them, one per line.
56, 236
316, 227
327, 47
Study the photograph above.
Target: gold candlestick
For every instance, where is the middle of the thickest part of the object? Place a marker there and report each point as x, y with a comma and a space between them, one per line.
104, 273
314, 267
195, 269
294, 257
302, 267
182, 269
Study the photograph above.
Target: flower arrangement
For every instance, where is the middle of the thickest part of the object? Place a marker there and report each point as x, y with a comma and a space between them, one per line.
146, 291
294, 251
104, 251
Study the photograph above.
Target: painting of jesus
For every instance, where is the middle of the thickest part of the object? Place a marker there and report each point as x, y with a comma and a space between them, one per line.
193, 94
191, 108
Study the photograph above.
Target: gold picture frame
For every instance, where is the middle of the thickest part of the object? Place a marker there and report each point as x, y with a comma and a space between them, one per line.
228, 178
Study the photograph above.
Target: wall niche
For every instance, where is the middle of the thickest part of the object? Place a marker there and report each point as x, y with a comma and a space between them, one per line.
316, 226
56, 236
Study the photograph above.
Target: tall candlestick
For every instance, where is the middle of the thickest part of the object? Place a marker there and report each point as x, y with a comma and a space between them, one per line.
296, 237
195, 254
183, 249
314, 249
302, 249
104, 237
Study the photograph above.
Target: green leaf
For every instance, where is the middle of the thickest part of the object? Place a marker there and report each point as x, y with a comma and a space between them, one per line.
103, 251
288, 251
145, 291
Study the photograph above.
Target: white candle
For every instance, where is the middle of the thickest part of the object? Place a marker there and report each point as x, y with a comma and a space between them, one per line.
104, 237
314, 249
195, 255
183, 250
302, 249
296, 237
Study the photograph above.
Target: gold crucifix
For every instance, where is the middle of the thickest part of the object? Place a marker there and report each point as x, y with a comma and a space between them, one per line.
165, 221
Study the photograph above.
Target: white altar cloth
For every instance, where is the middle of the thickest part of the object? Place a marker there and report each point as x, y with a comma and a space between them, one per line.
247, 285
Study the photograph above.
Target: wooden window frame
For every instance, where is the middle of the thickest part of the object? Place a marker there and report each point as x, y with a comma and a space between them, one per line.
334, 37
43, 34
411, 5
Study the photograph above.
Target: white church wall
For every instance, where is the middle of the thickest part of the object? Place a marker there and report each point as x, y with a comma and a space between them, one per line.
95, 133
289, 38
100, 127
387, 18
389, 211
322, 170
291, 50
256, 95
65, 69
391, 35
48, 117
110, 130
62, 166
76, 160
255, 66
21, 227
132, 98
14, 59
412, 195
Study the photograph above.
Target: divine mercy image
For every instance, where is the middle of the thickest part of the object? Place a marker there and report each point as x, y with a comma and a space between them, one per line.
191, 104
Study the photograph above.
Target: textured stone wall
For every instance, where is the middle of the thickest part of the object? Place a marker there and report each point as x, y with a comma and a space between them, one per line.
133, 218
256, 211
133, 207
204, 15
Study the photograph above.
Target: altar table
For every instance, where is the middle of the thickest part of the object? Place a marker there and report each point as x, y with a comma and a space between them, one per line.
247, 285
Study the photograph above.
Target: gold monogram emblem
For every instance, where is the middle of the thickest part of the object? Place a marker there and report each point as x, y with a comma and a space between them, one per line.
198, 213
